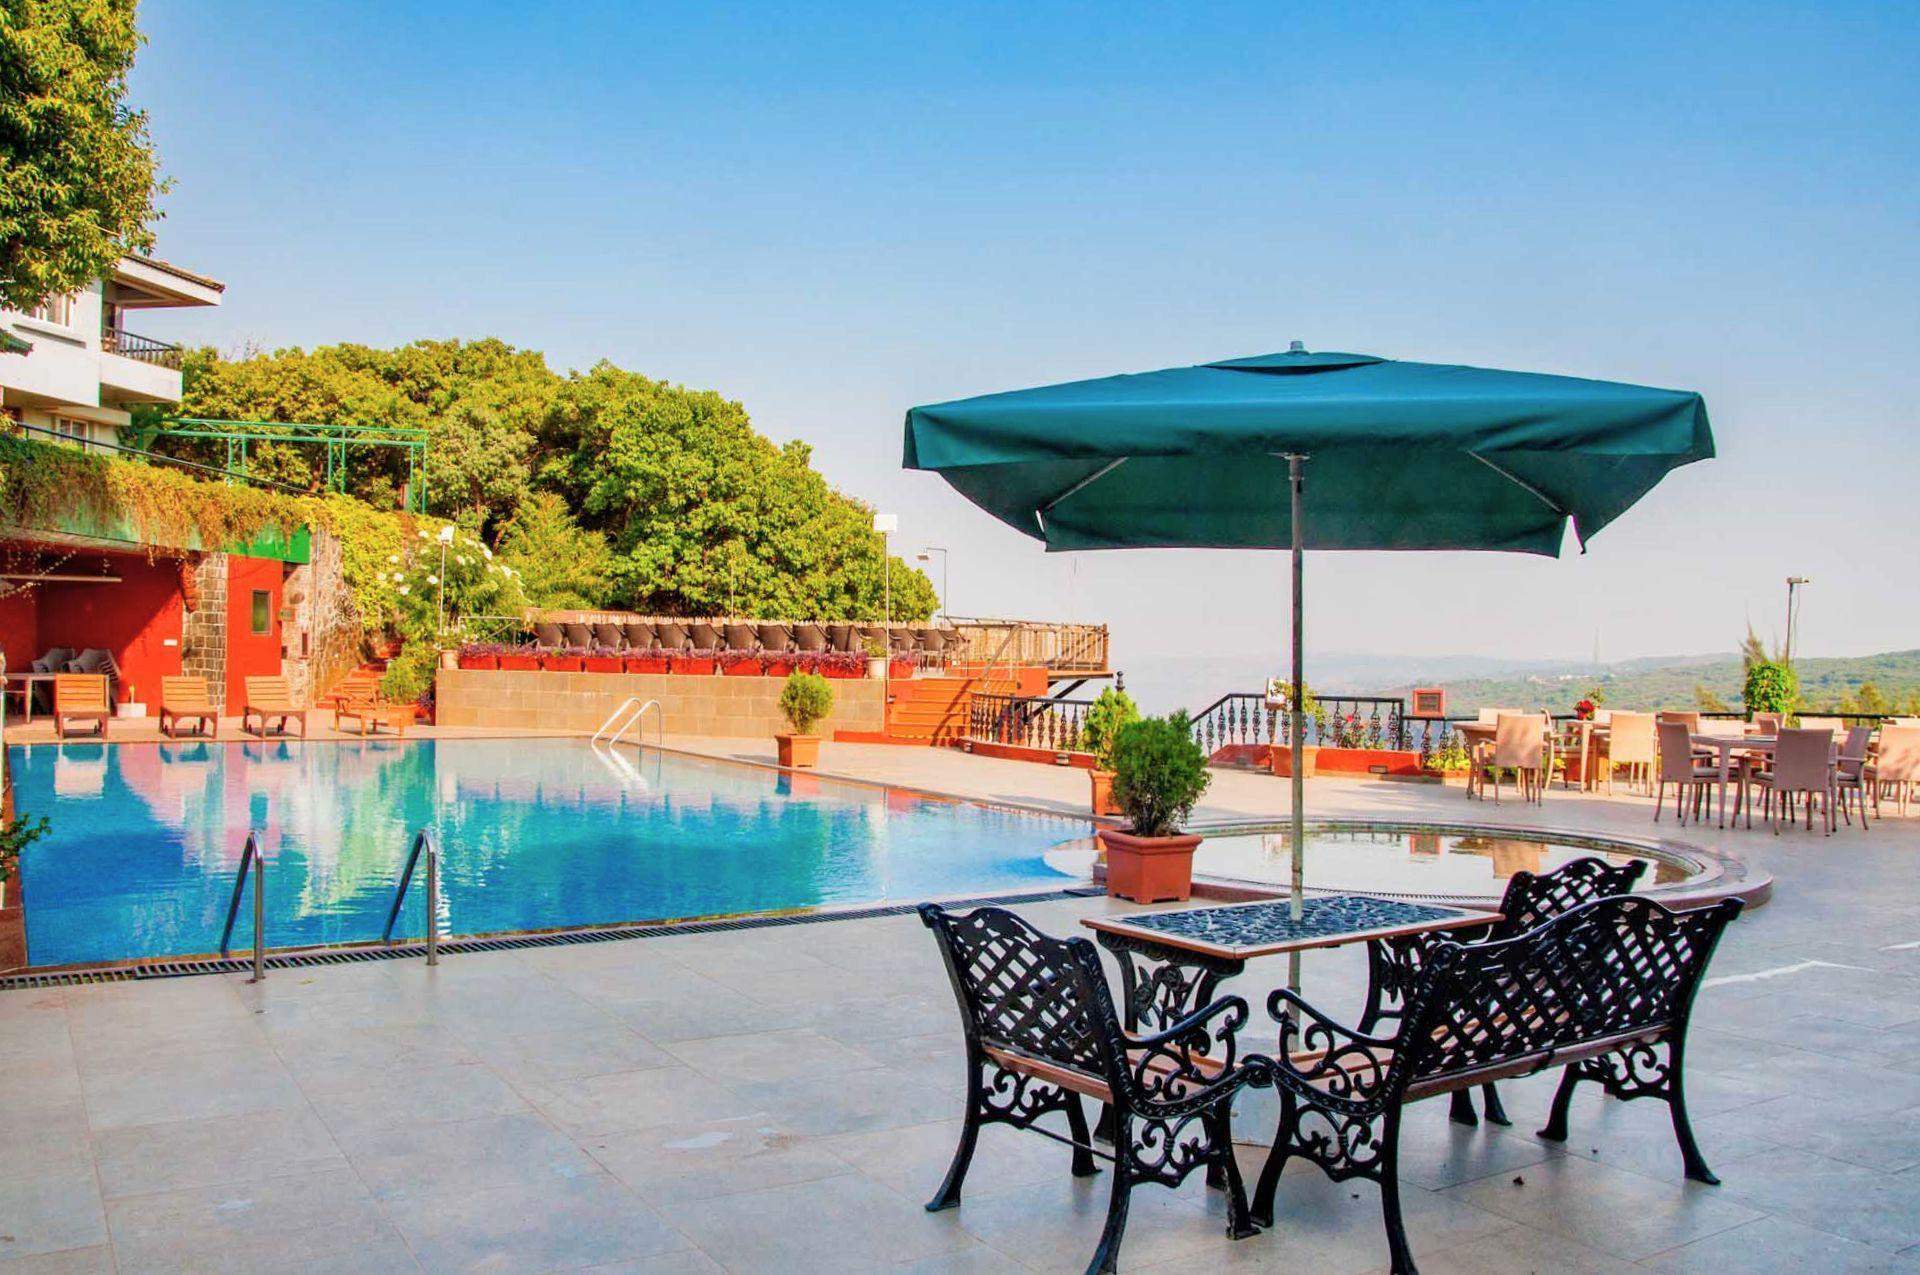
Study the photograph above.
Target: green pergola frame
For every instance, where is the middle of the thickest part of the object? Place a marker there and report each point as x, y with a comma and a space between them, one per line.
335, 438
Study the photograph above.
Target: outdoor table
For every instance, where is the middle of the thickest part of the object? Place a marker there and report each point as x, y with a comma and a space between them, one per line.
29, 682
1725, 746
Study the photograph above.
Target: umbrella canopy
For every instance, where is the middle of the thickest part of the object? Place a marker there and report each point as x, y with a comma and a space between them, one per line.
1400, 455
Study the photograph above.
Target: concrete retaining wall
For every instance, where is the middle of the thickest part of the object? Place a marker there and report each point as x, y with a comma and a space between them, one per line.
728, 707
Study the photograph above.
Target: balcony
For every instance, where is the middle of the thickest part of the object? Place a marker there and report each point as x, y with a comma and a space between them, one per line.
145, 349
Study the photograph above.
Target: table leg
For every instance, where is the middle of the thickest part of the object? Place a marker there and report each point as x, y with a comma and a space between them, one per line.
1726, 759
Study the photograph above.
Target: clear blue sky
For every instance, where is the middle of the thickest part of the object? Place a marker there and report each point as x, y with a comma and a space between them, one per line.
833, 212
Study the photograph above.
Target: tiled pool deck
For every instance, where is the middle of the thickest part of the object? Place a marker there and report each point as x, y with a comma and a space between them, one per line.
783, 1099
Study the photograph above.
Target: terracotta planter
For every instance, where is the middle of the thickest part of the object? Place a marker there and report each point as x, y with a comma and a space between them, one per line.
700, 665
1103, 802
778, 666
740, 668
651, 663
842, 671
560, 663
900, 669
798, 750
520, 663
603, 663
480, 661
876, 666
1283, 761
1149, 869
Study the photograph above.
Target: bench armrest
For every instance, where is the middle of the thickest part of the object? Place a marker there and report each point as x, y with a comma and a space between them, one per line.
1191, 1063
1332, 1064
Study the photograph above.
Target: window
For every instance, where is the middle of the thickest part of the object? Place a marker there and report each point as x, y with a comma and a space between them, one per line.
56, 309
72, 430
262, 611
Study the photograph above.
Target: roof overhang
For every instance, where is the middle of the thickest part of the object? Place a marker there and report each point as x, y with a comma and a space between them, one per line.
139, 282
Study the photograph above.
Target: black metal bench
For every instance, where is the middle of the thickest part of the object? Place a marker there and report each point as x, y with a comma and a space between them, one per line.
1042, 1034
1604, 990
1393, 965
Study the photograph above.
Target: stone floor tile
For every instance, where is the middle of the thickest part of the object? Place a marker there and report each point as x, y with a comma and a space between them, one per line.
212, 1151
554, 1223
316, 1222
668, 1164
54, 1208
1775, 1246
837, 1224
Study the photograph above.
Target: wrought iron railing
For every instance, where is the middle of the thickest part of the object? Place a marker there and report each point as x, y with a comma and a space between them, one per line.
144, 348
1336, 721
1056, 725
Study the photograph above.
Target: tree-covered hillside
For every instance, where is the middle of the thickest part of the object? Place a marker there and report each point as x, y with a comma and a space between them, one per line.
1890, 679
604, 487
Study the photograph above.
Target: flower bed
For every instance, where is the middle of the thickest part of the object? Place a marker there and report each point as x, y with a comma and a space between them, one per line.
840, 664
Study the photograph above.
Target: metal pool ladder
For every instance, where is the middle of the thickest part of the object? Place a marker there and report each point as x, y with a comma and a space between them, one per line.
423, 842
620, 721
250, 858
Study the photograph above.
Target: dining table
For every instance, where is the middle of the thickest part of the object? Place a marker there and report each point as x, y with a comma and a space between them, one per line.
1724, 748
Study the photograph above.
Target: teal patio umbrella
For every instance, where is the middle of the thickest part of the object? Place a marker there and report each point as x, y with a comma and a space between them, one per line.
1306, 450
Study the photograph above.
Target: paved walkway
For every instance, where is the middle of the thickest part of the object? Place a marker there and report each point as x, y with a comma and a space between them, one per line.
783, 1099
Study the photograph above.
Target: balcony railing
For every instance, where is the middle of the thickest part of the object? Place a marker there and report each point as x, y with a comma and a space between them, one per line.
1061, 647
132, 345
1056, 725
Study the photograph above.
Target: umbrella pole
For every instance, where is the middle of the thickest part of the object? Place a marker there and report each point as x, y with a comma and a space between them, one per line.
1297, 727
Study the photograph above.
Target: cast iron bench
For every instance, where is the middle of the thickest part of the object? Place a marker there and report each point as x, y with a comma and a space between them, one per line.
1042, 1034
1603, 990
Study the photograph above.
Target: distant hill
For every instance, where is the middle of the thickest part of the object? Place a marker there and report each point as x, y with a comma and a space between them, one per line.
1670, 682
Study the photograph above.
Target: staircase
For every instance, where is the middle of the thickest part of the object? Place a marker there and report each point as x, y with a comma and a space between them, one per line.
934, 710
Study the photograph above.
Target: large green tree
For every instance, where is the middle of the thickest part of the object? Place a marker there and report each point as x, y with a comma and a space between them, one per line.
78, 179
560, 564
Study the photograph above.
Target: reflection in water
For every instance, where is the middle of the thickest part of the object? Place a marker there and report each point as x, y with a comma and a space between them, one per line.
1468, 866
533, 834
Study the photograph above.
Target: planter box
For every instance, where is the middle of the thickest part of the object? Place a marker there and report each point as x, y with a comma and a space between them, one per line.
843, 671
699, 665
779, 666
1149, 869
480, 661
560, 663
1103, 803
520, 663
646, 664
797, 750
740, 668
603, 664
900, 669
1283, 761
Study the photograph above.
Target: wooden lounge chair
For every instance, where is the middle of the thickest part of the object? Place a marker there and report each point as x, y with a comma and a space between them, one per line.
357, 685
373, 712
271, 699
80, 697
186, 699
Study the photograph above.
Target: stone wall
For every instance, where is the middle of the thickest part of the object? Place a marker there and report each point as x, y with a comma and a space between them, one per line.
728, 707
203, 630
324, 639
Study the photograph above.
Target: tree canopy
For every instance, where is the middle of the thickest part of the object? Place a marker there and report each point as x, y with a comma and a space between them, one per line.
602, 488
78, 177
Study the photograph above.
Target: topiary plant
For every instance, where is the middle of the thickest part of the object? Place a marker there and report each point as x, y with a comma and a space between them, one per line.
1159, 773
1112, 710
805, 700
1772, 687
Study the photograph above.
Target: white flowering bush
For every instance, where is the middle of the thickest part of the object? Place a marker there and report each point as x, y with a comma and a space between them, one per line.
442, 579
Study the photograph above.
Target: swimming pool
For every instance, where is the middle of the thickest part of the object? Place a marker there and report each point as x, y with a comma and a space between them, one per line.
534, 834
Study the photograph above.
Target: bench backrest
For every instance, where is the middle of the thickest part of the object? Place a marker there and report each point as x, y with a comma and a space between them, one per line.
1026, 992
80, 693
1615, 967
269, 692
185, 694
1531, 898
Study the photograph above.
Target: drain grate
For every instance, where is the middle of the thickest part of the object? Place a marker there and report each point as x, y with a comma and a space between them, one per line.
494, 943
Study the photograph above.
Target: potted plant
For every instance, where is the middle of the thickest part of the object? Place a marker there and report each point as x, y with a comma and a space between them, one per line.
602, 659
691, 661
480, 655
649, 661
1112, 710
805, 700
739, 663
876, 649
843, 664
1159, 774
521, 659
1280, 698
781, 663
568, 659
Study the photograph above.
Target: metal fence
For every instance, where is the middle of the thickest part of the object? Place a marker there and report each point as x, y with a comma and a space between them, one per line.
1056, 725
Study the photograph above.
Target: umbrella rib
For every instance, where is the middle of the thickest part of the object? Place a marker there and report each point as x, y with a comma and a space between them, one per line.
1522, 483
1086, 482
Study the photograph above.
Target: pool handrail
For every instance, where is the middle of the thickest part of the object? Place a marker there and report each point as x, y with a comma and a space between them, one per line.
659, 725
422, 841
250, 857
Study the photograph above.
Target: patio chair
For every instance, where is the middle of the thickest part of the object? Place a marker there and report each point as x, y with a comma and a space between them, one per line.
1851, 772
53, 661
1768, 723
640, 635
81, 697
899, 639
187, 699
1681, 767
578, 636
271, 699
810, 638
1833, 724
843, 638
777, 638
1690, 720
1802, 766
1042, 1035
1897, 765
703, 636
1519, 745
372, 711
359, 684
1630, 743
1530, 899
548, 637
740, 637
609, 637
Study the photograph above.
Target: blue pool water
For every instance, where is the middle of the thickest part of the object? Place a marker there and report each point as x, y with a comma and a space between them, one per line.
534, 834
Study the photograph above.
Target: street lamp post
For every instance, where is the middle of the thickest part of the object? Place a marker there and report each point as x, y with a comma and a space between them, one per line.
926, 555
1793, 582
446, 538
886, 525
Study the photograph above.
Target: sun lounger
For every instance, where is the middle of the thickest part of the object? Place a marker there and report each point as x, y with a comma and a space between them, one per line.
80, 697
186, 699
372, 713
271, 699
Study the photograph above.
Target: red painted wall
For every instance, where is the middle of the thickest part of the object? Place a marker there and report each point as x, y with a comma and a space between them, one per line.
20, 628
135, 619
250, 654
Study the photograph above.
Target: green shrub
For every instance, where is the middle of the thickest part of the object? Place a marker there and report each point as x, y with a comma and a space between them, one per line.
1114, 709
15, 837
1159, 773
805, 700
409, 676
1772, 687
